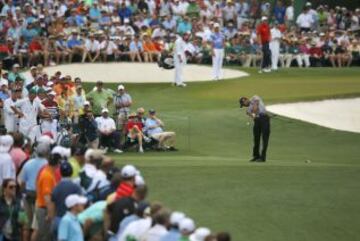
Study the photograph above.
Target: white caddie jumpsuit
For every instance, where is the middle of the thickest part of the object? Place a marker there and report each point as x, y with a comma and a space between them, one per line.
275, 47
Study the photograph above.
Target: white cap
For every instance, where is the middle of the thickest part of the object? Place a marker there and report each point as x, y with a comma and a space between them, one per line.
6, 142
74, 199
62, 151
121, 87
32, 67
45, 139
128, 171
126, 20
4, 82
16, 66
139, 180
105, 110
50, 83
52, 93
200, 234
187, 225
308, 4
216, 25
264, 18
176, 217
86, 102
41, 16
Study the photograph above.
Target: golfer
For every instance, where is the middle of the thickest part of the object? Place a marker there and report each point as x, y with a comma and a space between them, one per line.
257, 111
218, 42
180, 59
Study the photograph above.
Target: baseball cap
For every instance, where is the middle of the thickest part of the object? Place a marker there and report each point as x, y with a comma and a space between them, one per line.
74, 199
139, 180
65, 169
62, 151
176, 217
104, 110
187, 225
16, 66
121, 87
128, 171
216, 25
200, 234
264, 18
6, 142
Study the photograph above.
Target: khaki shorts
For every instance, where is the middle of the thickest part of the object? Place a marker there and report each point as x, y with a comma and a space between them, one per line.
165, 134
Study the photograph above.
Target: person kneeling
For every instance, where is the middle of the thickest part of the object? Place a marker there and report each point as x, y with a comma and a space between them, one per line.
154, 128
109, 137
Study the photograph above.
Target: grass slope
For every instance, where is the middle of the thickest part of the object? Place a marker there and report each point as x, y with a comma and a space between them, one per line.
284, 199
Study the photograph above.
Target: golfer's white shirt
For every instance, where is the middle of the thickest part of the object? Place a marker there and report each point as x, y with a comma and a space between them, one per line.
155, 233
10, 119
136, 229
30, 111
92, 46
105, 124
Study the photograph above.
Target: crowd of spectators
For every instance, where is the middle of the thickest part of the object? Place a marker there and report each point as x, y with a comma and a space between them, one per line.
62, 31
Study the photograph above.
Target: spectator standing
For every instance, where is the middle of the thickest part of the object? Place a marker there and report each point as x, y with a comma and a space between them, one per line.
305, 20
290, 14
99, 98
264, 36
7, 167
186, 227
69, 227
218, 44
174, 233
18, 156
10, 117
280, 12
180, 59
13, 221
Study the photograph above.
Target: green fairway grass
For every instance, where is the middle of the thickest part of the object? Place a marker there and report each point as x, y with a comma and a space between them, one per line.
287, 198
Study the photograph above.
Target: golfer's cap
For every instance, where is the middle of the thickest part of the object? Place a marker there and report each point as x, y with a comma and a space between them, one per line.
200, 234
264, 18
74, 199
105, 110
16, 66
176, 217
65, 169
128, 171
187, 225
121, 87
216, 25
241, 101
139, 181
86, 103
6, 142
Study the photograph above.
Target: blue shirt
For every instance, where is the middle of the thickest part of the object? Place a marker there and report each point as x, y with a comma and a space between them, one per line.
94, 13
149, 123
60, 192
172, 235
135, 47
4, 96
30, 172
124, 13
184, 27
218, 40
279, 13
125, 222
70, 228
73, 42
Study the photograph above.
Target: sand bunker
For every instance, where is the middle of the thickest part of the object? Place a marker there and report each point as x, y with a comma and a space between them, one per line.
137, 72
342, 114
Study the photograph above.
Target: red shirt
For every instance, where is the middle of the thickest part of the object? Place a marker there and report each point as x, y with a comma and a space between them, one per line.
316, 51
34, 46
263, 30
124, 190
134, 122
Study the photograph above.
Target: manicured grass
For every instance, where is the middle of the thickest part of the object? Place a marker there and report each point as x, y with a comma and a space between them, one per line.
210, 178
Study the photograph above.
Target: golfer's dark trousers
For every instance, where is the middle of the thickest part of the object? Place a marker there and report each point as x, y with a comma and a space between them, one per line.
261, 131
266, 61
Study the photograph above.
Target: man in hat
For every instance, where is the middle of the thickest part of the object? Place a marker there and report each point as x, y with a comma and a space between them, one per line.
218, 43
257, 111
276, 36
264, 36
180, 59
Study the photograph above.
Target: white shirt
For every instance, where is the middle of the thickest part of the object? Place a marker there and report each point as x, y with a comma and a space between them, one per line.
10, 118
275, 35
30, 111
105, 124
305, 20
92, 46
108, 46
99, 181
180, 47
155, 233
136, 229
7, 167
290, 13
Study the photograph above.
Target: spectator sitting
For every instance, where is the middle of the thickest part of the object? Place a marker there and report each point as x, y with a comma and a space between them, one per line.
134, 129
150, 50
154, 128
109, 137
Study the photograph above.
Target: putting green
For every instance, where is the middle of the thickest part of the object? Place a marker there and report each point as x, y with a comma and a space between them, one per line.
288, 198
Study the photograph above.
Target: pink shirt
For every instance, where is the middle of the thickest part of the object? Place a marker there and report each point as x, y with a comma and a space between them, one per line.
18, 156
